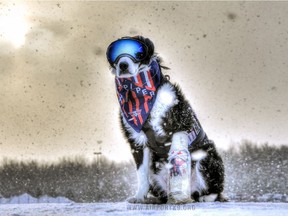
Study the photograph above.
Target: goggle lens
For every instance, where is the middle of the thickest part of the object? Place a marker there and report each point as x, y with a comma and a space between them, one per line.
126, 47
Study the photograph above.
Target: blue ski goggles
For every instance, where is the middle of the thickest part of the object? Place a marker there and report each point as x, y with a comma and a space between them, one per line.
130, 47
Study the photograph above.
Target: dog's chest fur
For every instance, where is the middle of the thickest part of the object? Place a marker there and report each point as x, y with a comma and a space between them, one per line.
171, 113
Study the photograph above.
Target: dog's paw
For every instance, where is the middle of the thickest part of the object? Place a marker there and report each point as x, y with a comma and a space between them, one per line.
135, 200
153, 200
208, 198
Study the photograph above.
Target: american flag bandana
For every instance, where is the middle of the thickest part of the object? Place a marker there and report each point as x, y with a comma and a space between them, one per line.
137, 95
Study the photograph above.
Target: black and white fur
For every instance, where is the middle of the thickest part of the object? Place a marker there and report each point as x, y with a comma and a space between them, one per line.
169, 121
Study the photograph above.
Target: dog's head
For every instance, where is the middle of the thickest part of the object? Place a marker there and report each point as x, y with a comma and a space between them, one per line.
129, 55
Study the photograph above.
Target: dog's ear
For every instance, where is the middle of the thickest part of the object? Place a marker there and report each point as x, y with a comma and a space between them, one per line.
150, 45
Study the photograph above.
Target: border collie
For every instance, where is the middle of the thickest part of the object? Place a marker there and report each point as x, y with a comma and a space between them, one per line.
154, 114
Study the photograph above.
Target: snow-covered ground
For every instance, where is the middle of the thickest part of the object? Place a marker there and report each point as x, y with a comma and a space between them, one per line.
28, 199
114, 209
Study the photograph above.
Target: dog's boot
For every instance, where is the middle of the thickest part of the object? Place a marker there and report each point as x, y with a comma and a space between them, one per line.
179, 180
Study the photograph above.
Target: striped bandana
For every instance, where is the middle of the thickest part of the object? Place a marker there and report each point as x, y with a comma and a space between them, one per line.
137, 95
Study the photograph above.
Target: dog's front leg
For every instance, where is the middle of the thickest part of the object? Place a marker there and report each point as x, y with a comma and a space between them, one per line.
179, 190
143, 167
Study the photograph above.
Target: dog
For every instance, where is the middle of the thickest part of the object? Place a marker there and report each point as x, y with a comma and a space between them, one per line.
153, 114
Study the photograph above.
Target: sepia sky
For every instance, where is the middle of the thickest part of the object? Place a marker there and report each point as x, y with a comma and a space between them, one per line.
57, 95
